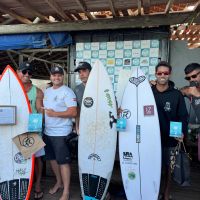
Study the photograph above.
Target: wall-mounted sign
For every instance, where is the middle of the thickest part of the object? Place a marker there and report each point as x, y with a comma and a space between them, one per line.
7, 115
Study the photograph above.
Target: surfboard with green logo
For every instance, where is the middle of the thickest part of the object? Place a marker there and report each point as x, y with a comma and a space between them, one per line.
98, 136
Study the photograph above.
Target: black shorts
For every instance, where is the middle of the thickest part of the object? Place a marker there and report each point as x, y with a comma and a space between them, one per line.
57, 149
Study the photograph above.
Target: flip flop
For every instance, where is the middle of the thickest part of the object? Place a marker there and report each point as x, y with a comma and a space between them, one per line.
38, 195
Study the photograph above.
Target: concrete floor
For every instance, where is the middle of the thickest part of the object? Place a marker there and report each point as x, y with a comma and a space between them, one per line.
178, 192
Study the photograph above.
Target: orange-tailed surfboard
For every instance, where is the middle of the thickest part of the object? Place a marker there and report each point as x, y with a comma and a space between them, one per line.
16, 173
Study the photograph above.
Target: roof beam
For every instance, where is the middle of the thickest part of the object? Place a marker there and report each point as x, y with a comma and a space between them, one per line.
31, 57
8, 21
20, 18
139, 7
12, 59
78, 17
168, 6
81, 3
56, 7
112, 8
44, 50
33, 10
146, 6
104, 24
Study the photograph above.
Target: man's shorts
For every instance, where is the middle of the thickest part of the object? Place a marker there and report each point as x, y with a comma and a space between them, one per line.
57, 149
166, 153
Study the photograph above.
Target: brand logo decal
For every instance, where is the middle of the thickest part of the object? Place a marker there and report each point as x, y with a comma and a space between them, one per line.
94, 156
126, 114
127, 156
131, 175
18, 158
28, 141
88, 102
148, 110
137, 81
112, 119
108, 97
167, 107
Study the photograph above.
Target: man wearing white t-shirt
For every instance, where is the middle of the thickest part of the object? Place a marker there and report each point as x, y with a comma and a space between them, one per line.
60, 107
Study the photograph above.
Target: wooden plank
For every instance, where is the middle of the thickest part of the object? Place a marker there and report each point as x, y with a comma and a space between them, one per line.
83, 6
29, 7
20, 18
44, 50
146, 6
102, 24
139, 7
12, 59
77, 16
168, 6
31, 57
55, 6
112, 8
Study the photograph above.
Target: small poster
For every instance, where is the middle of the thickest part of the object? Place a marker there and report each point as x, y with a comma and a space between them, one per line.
35, 122
175, 129
7, 115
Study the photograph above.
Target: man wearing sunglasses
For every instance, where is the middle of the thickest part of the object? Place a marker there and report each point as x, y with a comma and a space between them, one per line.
171, 107
192, 74
35, 96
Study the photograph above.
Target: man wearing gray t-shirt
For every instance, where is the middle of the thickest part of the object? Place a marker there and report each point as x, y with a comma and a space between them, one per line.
83, 70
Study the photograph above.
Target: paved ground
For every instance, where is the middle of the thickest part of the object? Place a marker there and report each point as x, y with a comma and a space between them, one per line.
178, 193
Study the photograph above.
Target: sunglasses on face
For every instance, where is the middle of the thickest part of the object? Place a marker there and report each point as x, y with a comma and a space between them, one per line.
162, 73
188, 78
27, 71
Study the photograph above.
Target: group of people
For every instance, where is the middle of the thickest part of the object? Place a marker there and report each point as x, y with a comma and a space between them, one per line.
60, 105
171, 107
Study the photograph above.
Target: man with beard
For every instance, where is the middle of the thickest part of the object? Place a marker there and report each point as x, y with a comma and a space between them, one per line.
192, 72
35, 96
171, 107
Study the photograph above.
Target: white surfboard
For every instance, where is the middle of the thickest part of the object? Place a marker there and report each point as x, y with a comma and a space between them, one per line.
16, 173
98, 136
124, 75
140, 145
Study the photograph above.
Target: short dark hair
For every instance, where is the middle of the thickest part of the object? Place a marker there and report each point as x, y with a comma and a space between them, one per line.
191, 67
164, 64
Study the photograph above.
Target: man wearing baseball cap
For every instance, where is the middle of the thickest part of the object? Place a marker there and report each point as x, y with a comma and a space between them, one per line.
35, 96
60, 107
83, 70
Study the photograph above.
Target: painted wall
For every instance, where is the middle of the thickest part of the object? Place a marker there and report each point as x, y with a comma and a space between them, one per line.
180, 56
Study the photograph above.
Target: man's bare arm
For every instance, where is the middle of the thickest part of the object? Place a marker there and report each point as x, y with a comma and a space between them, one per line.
39, 100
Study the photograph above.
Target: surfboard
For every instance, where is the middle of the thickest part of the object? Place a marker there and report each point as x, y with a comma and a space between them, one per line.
124, 75
98, 136
16, 173
140, 145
